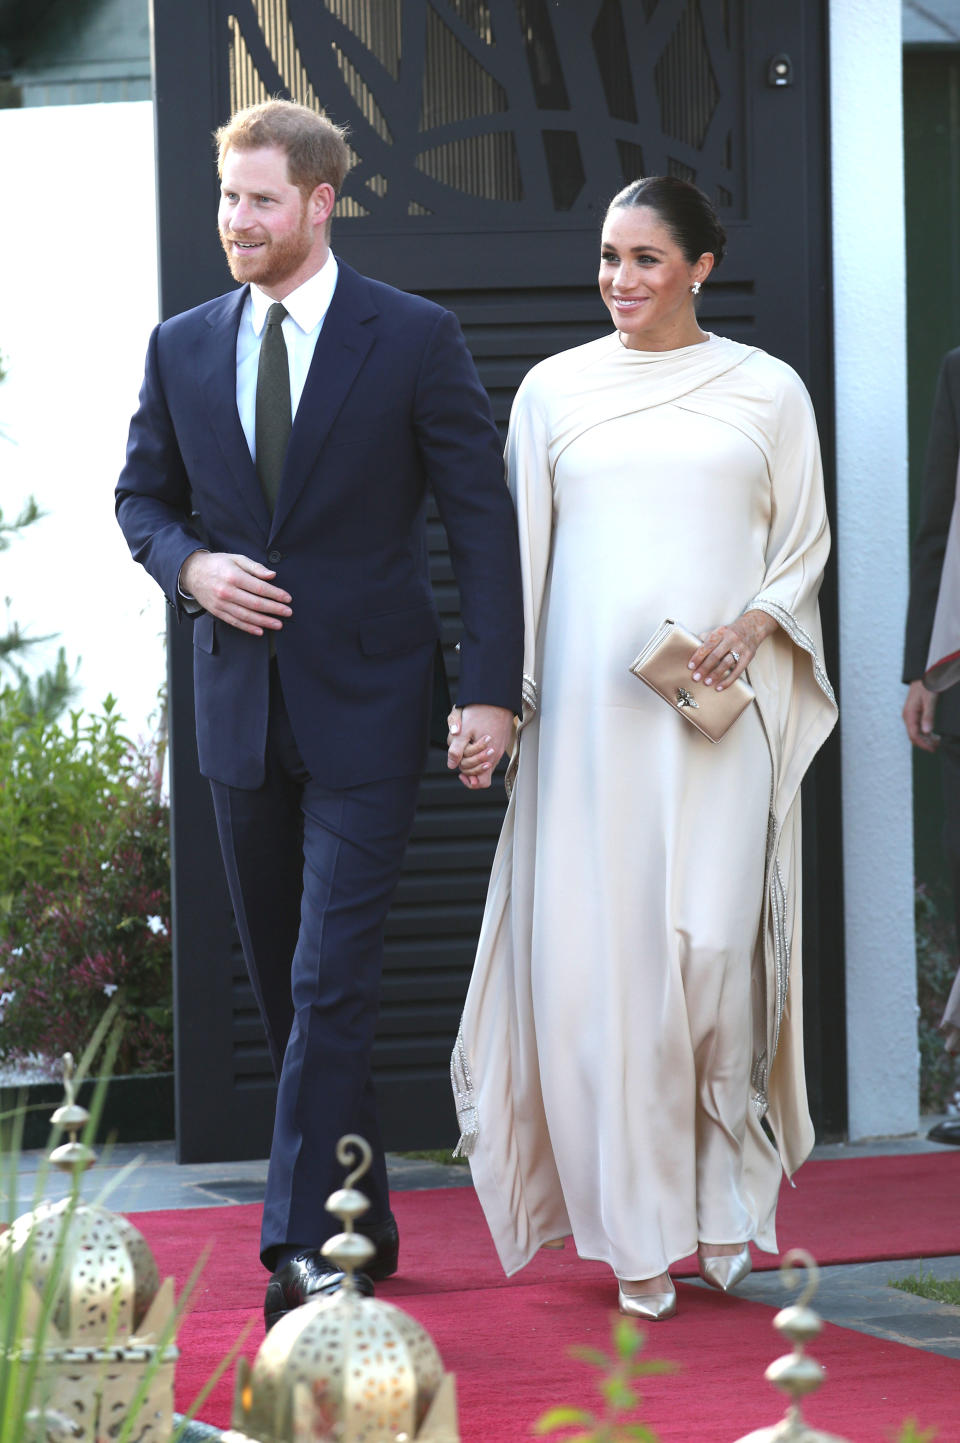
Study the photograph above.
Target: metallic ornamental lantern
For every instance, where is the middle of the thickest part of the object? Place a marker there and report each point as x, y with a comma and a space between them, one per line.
347, 1367
110, 1319
795, 1373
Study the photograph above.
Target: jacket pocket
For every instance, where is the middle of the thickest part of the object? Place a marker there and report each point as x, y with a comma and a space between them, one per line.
204, 634
399, 631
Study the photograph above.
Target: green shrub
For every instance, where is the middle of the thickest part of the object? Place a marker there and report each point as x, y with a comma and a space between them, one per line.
936, 969
84, 889
64, 792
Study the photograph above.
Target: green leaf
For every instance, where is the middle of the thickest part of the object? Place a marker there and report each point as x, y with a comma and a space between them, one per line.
593, 1356
556, 1418
628, 1339
617, 1394
911, 1433
652, 1367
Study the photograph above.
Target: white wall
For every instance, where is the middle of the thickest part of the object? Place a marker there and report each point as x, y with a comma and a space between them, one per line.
78, 297
872, 541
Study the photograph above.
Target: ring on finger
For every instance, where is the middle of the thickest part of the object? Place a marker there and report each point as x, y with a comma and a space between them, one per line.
736, 657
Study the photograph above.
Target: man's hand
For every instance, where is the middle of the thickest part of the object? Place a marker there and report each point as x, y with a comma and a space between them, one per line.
918, 710
236, 590
477, 738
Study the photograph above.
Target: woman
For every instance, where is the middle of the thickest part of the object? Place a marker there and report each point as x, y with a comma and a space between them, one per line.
635, 1009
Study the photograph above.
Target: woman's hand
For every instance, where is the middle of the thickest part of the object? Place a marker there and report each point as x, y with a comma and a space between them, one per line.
727, 651
477, 737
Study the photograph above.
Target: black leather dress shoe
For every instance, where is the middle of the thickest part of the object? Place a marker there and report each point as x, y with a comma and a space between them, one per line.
303, 1278
386, 1239
947, 1131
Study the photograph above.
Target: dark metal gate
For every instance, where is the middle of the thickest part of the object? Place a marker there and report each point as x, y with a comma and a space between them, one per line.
488, 136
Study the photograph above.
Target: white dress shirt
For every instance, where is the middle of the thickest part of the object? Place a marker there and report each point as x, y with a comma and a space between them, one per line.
306, 308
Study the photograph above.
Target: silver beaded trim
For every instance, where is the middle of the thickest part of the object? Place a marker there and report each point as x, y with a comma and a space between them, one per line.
465, 1099
781, 946
758, 1081
529, 692
799, 638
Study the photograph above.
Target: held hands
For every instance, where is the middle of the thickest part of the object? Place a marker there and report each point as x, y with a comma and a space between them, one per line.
236, 590
477, 738
727, 651
918, 712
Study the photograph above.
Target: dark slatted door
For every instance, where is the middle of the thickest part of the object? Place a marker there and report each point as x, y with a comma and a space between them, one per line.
488, 136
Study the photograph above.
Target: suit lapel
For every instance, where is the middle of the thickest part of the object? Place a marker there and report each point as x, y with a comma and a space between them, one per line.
345, 338
218, 381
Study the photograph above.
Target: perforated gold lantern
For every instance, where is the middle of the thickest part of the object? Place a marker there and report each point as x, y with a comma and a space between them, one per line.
110, 1320
346, 1368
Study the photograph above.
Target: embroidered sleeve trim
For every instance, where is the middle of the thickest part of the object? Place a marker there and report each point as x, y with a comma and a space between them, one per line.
465, 1100
799, 638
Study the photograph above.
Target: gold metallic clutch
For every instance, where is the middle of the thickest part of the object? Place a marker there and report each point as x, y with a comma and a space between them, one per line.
662, 664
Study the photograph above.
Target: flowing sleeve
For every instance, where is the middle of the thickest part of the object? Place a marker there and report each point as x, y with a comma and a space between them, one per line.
794, 695
799, 539
529, 477
798, 709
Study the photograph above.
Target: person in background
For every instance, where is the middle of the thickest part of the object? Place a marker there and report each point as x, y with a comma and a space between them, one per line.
932, 719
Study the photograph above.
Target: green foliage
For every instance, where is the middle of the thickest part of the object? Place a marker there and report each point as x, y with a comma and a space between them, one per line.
925, 1285
910, 1433
25, 1411
53, 688
45, 695
29, 513
84, 888
23, 1405
62, 791
936, 969
619, 1371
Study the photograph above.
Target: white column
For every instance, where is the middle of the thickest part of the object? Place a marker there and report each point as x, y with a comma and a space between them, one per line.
872, 542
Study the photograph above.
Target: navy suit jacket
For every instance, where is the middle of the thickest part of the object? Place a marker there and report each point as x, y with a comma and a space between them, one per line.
392, 404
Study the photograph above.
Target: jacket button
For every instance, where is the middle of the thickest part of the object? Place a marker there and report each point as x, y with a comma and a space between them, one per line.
274, 557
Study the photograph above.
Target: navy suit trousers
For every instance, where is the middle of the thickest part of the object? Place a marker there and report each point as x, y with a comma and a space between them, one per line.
311, 872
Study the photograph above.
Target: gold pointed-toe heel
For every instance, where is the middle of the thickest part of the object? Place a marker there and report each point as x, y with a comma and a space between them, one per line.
651, 1307
726, 1271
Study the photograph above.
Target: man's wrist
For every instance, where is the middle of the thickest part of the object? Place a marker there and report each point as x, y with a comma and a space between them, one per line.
182, 591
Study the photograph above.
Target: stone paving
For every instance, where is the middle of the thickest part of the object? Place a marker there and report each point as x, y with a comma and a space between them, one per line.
146, 1178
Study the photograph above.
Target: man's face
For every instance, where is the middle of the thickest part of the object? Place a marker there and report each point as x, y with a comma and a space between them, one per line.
269, 232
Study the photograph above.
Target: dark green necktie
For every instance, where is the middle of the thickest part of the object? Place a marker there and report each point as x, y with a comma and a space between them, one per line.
273, 405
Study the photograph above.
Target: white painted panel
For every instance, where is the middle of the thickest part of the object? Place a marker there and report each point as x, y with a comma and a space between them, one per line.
872, 526
78, 298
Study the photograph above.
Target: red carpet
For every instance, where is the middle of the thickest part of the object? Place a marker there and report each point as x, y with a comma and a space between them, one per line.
507, 1340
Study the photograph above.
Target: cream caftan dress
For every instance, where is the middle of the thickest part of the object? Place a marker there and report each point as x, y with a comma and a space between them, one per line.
635, 1007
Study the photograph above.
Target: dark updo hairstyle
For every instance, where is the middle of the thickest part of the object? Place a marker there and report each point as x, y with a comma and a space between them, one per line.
684, 210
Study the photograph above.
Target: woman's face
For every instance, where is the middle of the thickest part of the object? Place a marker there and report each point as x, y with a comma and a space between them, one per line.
645, 281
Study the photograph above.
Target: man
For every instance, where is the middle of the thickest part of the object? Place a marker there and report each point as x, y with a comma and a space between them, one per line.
274, 487
933, 720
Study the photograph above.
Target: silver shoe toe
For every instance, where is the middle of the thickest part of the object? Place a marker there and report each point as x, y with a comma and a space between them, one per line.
726, 1272
651, 1307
